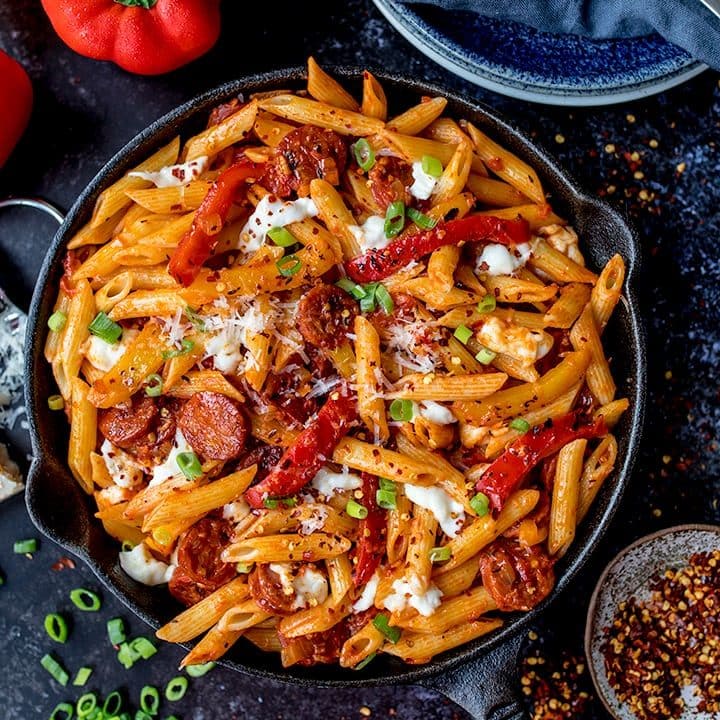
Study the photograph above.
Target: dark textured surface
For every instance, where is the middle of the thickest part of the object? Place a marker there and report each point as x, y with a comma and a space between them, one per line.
85, 111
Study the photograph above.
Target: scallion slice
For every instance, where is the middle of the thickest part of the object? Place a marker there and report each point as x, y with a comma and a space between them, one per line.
143, 647
176, 688
56, 322
520, 424
66, 708
244, 568
365, 661
153, 385
126, 656
431, 166
480, 503
56, 627
56, 402
85, 600
391, 633
440, 554
356, 510
86, 704
352, 288
105, 328
82, 676
364, 154
196, 319
55, 669
367, 301
487, 304
142, 715
485, 356
185, 347
289, 265
113, 704
282, 237
463, 334
199, 670
271, 503
116, 631
384, 299
386, 484
23, 547
424, 222
150, 700
401, 410
189, 464
386, 499
394, 219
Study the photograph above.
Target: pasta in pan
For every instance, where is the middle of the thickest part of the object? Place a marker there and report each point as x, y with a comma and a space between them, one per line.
336, 377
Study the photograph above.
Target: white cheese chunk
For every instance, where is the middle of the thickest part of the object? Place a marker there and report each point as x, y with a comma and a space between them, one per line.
525, 345
371, 234
436, 413
564, 240
327, 482
140, 565
271, 213
315, 521
367, 596
309, 586
448, 512
175, 175
123, 468
236, 511
103, 355
403, 595
424, 184
169, 467
498, 259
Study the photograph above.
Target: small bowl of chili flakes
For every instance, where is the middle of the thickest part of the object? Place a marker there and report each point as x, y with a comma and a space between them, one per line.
653, 630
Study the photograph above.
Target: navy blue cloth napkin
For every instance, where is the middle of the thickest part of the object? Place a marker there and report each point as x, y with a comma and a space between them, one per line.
686, 23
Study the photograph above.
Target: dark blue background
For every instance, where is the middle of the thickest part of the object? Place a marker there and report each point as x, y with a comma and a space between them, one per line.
85, 111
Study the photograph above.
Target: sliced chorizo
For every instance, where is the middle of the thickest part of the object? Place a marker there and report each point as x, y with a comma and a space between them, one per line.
304, 154
214, 425
278, 595
266, 457
390, 179
223, 111
124, 425
326, 314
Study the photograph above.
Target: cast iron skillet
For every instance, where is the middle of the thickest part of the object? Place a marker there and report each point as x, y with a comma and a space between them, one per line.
480, 675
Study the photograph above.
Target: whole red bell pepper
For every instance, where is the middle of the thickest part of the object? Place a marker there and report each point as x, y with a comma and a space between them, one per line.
311, 449
378, 264
371, 533
147, 37
16, 98
507, 472
199, 242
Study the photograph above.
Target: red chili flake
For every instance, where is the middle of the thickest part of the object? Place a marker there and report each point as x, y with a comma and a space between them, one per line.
62, 563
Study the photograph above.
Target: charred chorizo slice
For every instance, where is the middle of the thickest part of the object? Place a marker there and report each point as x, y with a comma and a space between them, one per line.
304, 154
326, 314
278, 595
390, 179
125, 425
214, 425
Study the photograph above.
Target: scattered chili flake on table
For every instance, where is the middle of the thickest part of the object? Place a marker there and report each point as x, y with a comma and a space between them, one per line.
656, 647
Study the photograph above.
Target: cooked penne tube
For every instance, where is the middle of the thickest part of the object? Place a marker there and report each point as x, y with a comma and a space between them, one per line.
448, 387
455, 174
266, 639
315, 619
336, 216
459, 579
171, 199
418, 117
83, 431
195, 381
270, 130
457, 610
567, 308
494, 193
374, 102
584, 334
286, 548
371, 406
326, 89
565, 496
514, 290
536, 215
215, 643
612, 412
398, 528
597, 467
242, 617
469, 315
557, 266
80, 314
227, 132
361, 645
441, 267
339, 570
607, 290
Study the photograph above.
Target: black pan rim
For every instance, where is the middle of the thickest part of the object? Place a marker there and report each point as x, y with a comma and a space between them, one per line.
119, 163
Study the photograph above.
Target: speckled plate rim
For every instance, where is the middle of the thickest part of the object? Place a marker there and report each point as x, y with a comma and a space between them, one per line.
592, 614
446, 54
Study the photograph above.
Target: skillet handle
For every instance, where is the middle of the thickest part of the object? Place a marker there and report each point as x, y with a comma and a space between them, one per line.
487, 687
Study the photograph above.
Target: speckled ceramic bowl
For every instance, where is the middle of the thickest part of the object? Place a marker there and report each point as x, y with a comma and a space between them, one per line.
629, 575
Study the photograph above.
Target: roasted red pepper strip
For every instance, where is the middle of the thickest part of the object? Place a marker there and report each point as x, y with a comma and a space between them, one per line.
378, 264
309, 452
506, 473
16, 98
371, 533
199, 242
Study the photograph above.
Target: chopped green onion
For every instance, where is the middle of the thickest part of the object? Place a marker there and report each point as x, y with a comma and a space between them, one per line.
176, 688
56, 627
127, 546
271, 503
199, 670
386, 484
185, 347
195, 318
487, 304
56, 402
352, 288
394, 219
171, 717
153, 385
22, 547
282, 237
143, 647
480, 503
440, 554
105, 328
116, 631
55, 669
56, 322
85, 600
289, 502
65, 708
126, 656
150, 700
432, 166
485, 356
356, 510
189, 465
364, 155
367, 301
424, 222
113, 704
401, 410
391, 633
520, 424
289, 265
86, 704
142, 715
83, 675
384, 299
463, 334
244, 568
365, 661
386, 499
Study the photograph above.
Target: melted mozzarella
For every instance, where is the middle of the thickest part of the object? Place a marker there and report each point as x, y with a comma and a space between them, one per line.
436, 413
175, 175
140, 565
448, 512
169, 467
497, 259
564, 240
309, 586
103, 355
371, 235
235, 511
367, 596
123, 468
525, 345
327, 482
403, 595
424, 184
271, 213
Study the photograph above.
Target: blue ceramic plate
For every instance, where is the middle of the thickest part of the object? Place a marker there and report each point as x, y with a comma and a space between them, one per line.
517, 60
